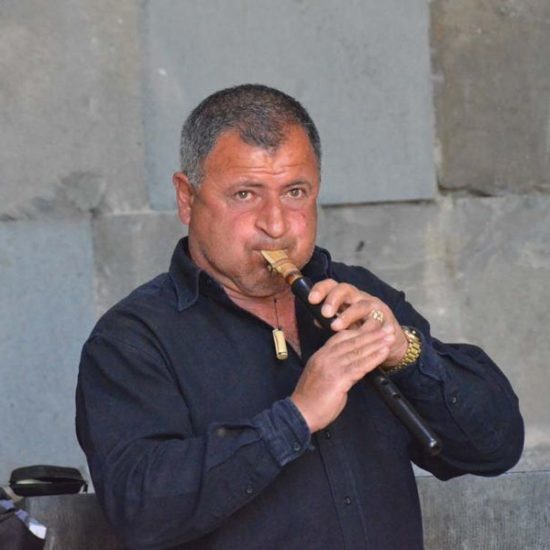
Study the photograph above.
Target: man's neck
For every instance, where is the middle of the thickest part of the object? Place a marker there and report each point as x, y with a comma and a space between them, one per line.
265, 307
276, 310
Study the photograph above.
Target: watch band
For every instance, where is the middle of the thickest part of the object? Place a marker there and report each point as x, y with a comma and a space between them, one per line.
414, 349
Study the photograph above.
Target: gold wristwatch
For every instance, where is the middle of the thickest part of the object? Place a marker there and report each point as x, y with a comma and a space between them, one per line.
413, 351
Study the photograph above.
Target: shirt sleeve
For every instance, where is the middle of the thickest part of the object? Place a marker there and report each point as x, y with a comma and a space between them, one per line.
161, 484
465, 398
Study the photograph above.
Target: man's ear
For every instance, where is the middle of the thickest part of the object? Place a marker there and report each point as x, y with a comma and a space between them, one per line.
185, 193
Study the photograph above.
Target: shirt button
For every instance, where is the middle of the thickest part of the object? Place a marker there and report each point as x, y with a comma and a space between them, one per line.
297, 447
249, 490
454, 399
328, 435
347, 501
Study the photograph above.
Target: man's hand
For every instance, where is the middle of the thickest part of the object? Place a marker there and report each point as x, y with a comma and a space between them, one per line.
354, 309
361, 344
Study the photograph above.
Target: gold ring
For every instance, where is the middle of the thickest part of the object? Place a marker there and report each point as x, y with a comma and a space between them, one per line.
377, 315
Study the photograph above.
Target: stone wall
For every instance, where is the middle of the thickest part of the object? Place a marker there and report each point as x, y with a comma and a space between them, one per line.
492, 82
83, 218
71, 155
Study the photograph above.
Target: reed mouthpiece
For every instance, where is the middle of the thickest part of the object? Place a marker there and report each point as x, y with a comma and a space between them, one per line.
278, 261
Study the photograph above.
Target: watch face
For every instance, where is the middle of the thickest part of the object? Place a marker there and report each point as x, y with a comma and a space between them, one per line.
411, 335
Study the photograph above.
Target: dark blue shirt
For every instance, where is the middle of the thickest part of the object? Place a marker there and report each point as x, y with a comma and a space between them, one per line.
184, 414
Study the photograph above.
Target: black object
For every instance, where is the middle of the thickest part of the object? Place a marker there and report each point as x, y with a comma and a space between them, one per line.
389, 392
46, 480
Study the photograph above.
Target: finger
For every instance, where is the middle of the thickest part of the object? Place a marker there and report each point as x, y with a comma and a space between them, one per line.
344, 343
354, 343
373, 323
340, 337
367, 359
340, 297
320, 290
357, 312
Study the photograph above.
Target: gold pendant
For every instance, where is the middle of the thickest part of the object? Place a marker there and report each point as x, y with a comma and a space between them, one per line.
280, 344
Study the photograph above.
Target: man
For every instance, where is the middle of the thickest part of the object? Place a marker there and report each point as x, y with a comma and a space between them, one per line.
198, 436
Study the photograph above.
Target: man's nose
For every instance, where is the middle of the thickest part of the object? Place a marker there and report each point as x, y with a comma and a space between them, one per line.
272, 219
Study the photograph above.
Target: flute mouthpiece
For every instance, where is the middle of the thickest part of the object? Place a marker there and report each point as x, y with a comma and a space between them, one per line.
278, 261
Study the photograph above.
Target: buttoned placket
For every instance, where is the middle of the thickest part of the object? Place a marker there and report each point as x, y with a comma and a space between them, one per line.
326, 442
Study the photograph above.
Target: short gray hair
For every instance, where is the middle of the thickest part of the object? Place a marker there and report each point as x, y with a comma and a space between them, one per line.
260, 114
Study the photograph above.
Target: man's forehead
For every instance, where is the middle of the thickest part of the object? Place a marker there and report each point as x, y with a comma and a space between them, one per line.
294, 144
250, 164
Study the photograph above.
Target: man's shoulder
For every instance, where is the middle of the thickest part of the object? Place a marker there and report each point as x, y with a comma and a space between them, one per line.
157, 292
140, 310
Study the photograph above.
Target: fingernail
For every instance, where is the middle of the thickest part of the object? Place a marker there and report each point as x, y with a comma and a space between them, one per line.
388, 328
389, 338
326, 310
337, 323
313, 296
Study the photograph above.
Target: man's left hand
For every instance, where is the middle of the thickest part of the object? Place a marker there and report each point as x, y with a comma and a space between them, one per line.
355, 309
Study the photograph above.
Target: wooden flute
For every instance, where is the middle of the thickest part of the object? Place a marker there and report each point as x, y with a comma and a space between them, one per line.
279, 262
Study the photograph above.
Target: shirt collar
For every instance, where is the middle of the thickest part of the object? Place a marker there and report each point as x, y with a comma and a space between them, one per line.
188, 277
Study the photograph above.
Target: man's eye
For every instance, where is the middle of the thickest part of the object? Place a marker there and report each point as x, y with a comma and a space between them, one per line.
296, 192
243, 195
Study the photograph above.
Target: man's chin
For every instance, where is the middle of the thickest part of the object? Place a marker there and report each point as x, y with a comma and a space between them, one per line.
265, 285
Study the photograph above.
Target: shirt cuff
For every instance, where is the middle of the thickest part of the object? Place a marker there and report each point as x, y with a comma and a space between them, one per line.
425, 371
284, 431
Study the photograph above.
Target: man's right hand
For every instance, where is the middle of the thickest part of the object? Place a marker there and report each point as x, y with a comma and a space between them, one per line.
322, 391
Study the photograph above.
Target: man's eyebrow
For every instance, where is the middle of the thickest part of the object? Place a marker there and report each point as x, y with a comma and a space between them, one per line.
257, 184
298, 182
249, 183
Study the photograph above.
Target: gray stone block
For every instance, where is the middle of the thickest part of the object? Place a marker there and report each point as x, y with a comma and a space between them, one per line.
71, 136
363, 72
473, 513
407, 246
478, 269
131, 249
47, 311
491, 95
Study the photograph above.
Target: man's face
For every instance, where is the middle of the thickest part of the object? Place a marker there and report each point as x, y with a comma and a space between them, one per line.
251, 199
